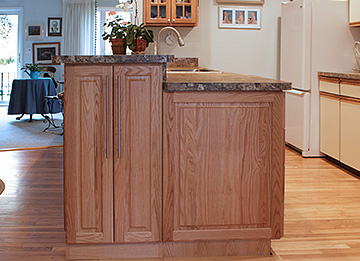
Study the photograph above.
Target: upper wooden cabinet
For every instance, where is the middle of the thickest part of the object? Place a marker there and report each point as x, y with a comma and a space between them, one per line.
354, 12
171, 12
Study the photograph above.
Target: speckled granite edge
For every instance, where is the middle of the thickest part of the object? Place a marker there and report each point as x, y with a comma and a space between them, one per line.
344, 75
182, 87
184, 62
117, 59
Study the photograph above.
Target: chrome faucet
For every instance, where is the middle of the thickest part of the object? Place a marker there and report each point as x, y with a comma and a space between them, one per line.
180, 40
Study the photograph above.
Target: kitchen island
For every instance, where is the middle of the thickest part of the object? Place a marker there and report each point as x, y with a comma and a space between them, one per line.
170, 164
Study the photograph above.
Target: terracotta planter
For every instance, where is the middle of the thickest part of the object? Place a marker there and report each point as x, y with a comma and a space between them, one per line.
140, 46
118, 46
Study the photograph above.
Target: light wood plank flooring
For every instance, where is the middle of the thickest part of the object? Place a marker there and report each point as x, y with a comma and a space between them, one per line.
322, 210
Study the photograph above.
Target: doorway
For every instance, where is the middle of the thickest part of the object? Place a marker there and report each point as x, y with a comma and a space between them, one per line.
10, 50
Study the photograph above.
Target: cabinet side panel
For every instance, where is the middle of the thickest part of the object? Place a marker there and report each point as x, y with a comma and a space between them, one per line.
277, 163
138, 168
87, 154
220, 173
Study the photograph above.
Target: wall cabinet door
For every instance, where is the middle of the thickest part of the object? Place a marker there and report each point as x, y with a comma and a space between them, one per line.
221, 180
354, 12
138, 153
88, 154
330, 125
350, 129
184, 12
171, 12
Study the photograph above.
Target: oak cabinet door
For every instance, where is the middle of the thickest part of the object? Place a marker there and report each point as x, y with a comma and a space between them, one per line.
171, 12
157, 12
88, 154
330, 125
223, 166
184, 12
138, 153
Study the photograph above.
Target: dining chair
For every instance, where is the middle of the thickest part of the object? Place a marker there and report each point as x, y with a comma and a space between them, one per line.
2, 186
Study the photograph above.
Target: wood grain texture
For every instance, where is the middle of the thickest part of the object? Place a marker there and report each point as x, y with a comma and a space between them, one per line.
2, 186
113, 251
322, 210
170, 11
138, 163
219, 171
88, 154
277, 162
215, 249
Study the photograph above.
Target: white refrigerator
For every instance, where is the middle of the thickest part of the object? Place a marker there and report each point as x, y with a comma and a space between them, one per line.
315, 36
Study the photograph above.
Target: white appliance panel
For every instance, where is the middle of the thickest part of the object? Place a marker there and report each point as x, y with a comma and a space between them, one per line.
292, 46
315, 36
297, 119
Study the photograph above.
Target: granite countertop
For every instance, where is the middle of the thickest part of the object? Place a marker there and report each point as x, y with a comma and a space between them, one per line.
208, 80
344, 75
118, 59
219, 81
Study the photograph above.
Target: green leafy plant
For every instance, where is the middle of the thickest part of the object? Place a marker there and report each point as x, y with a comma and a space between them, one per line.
6, 61
118, 29
32, 67
138, 32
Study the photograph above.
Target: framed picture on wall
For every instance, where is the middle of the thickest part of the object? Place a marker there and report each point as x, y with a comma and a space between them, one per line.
42, 52
54, 27
241, 2
34, 31
239, 17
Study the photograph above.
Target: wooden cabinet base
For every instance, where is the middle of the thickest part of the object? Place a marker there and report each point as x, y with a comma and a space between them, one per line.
170, 249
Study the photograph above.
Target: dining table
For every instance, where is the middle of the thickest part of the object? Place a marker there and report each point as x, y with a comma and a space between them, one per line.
28, 96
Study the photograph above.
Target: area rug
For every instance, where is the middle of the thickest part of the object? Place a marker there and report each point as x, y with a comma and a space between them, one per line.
21, 134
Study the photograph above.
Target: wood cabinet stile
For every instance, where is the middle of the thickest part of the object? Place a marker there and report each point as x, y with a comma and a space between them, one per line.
88, 155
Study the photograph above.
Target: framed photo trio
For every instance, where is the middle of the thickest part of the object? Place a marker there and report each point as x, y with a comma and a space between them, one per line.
42, 52
239, 17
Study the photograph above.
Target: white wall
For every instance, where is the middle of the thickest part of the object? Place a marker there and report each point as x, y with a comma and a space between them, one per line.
36, 12
245, 51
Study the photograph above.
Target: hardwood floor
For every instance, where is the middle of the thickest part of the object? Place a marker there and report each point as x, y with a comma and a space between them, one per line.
322, 210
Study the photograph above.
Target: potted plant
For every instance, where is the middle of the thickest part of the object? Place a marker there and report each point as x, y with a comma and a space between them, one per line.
138, 38
117, 35
32, 69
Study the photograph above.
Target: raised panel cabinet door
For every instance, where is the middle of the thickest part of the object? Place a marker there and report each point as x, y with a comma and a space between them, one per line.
138, 153
223, 166
350, 129
88, 150
330, 125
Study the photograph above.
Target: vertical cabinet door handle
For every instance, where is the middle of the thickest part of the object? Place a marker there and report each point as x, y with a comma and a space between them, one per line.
119, 117
107, 117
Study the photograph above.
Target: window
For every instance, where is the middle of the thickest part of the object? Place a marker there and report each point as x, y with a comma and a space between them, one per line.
104, 15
